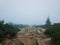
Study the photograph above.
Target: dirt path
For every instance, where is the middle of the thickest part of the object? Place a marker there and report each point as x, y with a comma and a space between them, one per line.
30, 37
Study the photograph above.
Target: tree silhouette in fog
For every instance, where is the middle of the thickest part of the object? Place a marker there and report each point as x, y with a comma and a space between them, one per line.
48, 22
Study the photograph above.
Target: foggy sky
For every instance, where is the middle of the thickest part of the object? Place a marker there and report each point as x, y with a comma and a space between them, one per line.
30, 11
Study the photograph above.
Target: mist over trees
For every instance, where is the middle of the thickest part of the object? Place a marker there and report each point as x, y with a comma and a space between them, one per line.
21, 25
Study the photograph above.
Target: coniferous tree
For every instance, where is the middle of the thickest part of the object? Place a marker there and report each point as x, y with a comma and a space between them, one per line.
48, 22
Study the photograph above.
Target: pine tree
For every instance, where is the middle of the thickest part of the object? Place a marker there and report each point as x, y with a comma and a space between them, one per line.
48, 22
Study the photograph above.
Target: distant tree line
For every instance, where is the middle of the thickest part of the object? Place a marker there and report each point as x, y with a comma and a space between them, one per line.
21, 25
7, 30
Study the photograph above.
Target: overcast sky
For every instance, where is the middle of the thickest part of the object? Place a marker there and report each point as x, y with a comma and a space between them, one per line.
30, 11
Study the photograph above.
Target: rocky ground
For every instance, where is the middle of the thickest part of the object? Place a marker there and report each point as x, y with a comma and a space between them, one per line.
29, 36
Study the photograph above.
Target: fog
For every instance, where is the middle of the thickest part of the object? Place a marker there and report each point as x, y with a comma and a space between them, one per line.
30, 11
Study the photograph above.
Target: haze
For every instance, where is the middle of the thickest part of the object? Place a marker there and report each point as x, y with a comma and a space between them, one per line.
30, 11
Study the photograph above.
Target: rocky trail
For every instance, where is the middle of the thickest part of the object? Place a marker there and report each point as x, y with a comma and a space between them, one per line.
29, 37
